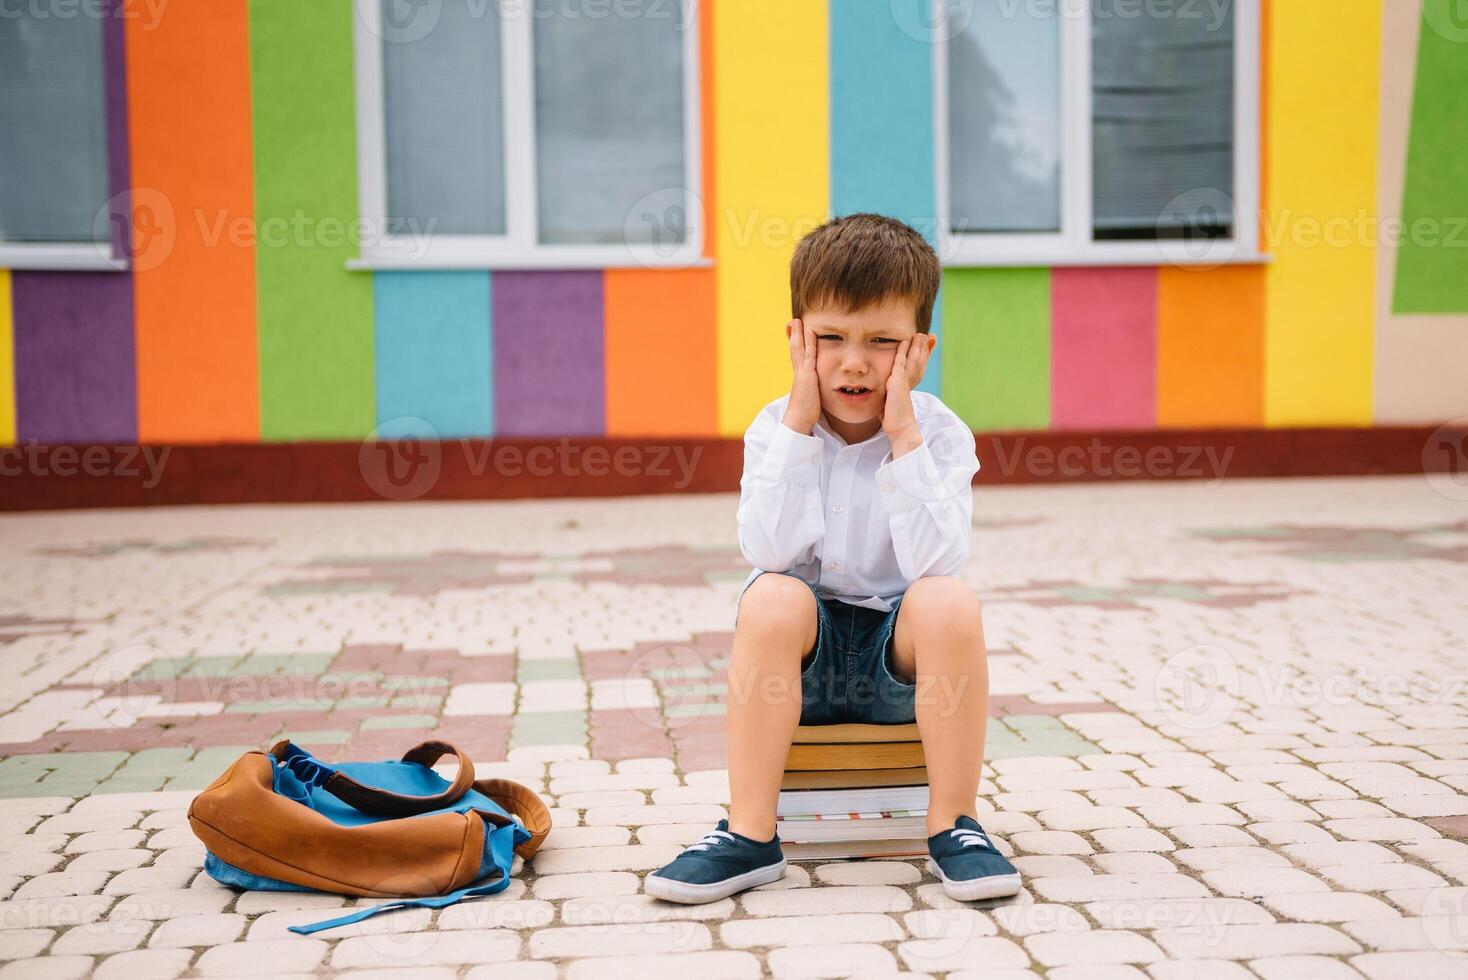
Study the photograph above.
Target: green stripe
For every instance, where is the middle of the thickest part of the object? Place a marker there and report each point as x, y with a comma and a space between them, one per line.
1430, 260
996, 326
315, 317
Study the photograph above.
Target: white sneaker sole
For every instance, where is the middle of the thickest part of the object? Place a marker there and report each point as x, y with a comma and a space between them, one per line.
687, 894
994, 886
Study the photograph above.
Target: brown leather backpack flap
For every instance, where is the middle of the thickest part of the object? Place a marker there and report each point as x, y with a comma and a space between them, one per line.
524, 803
243, 822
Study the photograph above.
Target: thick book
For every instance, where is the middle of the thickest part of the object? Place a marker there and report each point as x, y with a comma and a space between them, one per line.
805, 757
811, 802
854, 778
847, 850
854, 827
823, 734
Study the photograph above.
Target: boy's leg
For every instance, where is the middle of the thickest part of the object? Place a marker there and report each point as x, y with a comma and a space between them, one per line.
777, 625
939, 640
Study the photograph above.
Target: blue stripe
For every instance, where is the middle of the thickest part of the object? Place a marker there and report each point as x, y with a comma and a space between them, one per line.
882, 121
433, 352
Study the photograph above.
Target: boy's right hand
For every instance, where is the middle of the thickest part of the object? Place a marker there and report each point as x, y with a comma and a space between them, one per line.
804, 408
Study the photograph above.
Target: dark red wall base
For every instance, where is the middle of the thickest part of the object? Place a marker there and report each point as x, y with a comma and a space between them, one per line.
36, 477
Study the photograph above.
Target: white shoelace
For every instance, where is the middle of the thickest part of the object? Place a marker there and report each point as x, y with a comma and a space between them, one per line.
971, 838
712, 839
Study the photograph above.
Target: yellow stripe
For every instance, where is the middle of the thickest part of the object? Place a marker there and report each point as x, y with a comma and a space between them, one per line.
7, 363
772, 184
1324, 89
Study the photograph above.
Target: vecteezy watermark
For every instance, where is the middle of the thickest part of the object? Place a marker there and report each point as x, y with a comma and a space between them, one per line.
938, 21
944, 939
1198, 223
681, 687
406, 21
1444, 921
145, 218
143, 680
126, 462
148, 13
403, 459
1100, 460
659, 228
1445, 459
1447, 18
933, 21
1198, 688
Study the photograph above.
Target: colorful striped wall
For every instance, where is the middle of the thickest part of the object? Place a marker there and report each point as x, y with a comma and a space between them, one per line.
219, 335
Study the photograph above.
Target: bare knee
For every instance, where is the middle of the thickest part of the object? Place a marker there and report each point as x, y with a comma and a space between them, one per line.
946, 603
779, 605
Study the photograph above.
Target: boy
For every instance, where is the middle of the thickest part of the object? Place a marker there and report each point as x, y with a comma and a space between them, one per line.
855, 508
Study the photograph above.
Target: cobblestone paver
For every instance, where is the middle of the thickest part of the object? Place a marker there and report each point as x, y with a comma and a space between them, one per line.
1228, 735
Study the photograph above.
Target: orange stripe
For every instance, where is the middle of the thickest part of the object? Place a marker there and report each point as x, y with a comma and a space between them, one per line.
194, 256
1210, 346
660, 352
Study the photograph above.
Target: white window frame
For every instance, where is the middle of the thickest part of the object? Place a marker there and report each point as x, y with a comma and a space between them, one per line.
61, 257
1073, 244
519, 247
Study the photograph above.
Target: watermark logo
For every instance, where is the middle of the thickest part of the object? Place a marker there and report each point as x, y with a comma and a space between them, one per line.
401, 459
1098, 459
148, 13
1196, 219
681, 679
1447, 18
1198, 688
144, 219
658, 228
401, 21
127, 462
1445, 921
130, 683
1445, 459
933, 21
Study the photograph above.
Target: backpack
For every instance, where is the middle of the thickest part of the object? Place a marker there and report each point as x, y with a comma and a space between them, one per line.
286, 821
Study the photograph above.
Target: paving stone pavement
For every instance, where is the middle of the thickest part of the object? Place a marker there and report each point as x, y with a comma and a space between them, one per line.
1228, 737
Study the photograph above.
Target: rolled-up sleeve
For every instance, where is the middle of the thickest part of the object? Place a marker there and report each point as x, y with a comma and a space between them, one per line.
928, 496
780, 516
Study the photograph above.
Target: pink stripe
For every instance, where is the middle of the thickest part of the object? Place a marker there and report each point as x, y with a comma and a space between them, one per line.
1103, 334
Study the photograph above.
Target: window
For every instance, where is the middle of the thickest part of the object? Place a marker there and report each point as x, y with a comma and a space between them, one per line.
54, 209
1097, 131
525, 134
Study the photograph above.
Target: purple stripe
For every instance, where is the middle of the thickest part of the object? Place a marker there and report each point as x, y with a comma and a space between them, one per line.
75, 369
114, 56
549, 355
75, 357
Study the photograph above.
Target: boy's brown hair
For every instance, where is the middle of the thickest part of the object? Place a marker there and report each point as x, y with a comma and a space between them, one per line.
861, 259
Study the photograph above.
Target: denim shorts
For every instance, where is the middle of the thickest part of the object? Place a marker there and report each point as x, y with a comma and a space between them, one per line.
849, 680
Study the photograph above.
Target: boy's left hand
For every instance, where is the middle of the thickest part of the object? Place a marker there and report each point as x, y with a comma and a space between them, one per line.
898, 419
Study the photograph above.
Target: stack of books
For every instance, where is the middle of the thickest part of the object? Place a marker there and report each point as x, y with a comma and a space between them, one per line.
853, 791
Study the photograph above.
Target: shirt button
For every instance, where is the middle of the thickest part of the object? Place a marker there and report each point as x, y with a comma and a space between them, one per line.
838, 508
848, 456
831, 566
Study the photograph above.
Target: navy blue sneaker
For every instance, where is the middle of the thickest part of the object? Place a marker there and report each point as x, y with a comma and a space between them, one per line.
720, 865
969, 865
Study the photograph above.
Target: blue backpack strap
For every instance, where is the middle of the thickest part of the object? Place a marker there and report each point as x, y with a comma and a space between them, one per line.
499, 853
431, 901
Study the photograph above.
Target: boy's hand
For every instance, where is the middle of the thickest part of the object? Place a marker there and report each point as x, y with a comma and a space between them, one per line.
898, 419
804, 409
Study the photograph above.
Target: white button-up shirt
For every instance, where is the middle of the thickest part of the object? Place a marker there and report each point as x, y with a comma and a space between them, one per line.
855, 523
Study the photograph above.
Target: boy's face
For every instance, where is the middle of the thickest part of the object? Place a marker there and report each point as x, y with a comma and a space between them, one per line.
856, 349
